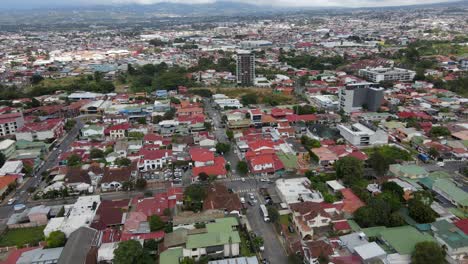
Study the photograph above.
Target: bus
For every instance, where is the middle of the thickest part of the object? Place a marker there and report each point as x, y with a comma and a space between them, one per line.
264, 212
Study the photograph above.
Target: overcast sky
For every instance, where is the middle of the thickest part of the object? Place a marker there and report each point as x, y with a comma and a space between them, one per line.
291, 3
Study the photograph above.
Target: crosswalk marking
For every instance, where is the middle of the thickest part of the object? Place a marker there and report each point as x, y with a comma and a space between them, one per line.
246, 190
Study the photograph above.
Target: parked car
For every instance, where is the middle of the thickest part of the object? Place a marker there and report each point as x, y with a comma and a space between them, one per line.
11, 201
19, 207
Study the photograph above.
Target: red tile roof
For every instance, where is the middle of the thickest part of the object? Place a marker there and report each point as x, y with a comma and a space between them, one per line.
153, 235
463, 225
156, 154
341, 226
305, 118
48, 124
15, 254
201, 154
218, 169
6, 180
219, 197
351, 201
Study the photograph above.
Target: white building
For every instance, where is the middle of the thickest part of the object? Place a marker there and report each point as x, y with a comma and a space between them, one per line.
7, 147
81, 213
11, 167
9, 123
361, 135
325, 101
296, 190
387, 74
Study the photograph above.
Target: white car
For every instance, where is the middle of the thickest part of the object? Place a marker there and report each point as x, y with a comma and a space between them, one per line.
243, 179
19, 207
11, 201
263, 180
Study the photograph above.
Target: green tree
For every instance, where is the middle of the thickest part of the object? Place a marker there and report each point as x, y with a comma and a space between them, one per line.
420, 212
202, 176
122, 162
141, 120
273, 214
378, 163
140, 184
156, 223
439, 131
350, 169
194, 196
242, 167
56, 239
96, 153
131, 252
394, 188
310, 143
230, 134
433, 152
70, 124
428, 252
73, 160
250, 98
2, 159
36, 79
223, 148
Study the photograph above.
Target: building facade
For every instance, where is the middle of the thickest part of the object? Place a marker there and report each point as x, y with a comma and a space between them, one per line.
387, 74
355, 97
245, 68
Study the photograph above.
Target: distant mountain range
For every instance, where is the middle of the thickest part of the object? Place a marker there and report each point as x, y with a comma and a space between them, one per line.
220, 7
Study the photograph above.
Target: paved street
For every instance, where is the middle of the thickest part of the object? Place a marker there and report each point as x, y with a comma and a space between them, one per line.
274, 250
21, 193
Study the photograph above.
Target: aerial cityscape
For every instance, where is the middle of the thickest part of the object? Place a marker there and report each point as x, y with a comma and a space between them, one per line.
234, 132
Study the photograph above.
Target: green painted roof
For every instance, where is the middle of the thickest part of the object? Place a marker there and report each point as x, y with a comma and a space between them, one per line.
394, 124
450, 234
409, 170
171, 256
212, 239
413, 169
219, 233
404, 238
24, 144
433, 176
354, 226
373, 231
449, 188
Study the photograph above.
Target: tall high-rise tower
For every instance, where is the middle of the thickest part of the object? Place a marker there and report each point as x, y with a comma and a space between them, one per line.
245, 68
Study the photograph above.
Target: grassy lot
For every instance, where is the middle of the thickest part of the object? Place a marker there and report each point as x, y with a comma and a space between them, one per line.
244, 246
22, 236
264, 95
284, 219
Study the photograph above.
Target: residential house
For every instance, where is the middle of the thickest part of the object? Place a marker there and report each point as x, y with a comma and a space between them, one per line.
153, 159
10, 122
308, 216
45, 130
201, 157
114, 177
452, 238
81, 247
92, 131
7, 147
219, 198
117, 131
450, 191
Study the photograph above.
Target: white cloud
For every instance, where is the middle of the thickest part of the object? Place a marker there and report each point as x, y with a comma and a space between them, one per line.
285, 3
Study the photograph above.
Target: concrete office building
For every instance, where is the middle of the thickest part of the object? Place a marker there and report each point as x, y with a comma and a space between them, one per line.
354, 97
361, 135
387, 74
245, 68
